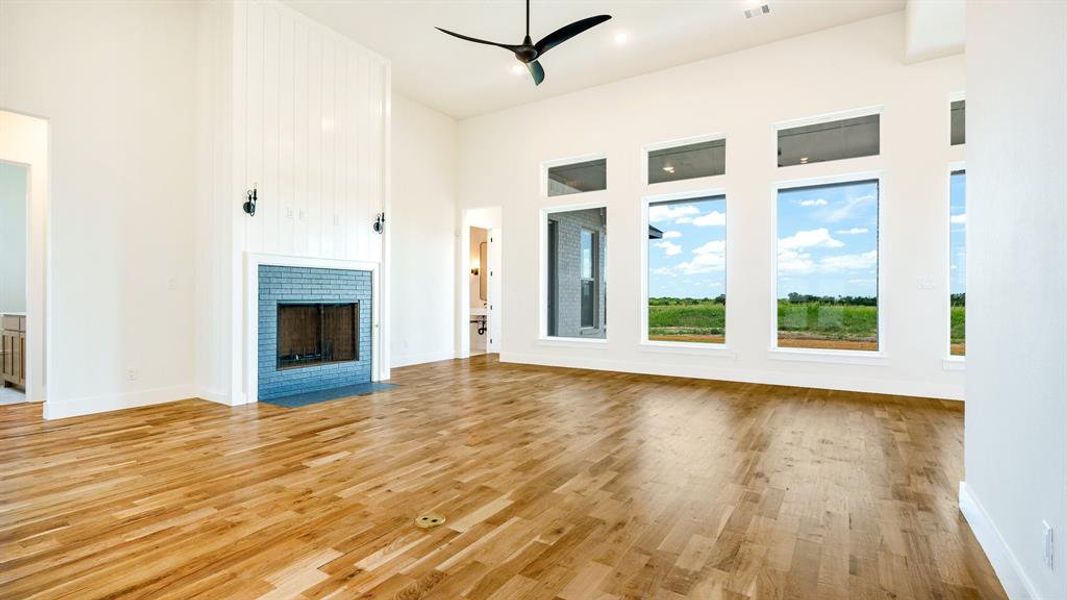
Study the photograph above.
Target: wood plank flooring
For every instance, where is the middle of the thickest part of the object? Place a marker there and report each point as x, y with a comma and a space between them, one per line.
555, 483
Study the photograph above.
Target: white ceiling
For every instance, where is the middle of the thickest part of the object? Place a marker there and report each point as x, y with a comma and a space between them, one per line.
463, 79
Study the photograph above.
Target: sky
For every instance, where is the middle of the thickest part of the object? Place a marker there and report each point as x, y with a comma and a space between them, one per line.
828, 240
827, 243
690, 260
958, 233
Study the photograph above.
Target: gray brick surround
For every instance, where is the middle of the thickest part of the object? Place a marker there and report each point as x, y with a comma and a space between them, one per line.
281, 285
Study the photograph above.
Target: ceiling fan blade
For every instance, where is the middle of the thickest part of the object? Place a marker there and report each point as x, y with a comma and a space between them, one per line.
535, 69
476, 40
566, 32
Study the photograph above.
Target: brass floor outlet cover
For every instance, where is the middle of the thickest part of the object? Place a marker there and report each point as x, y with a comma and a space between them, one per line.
430, 520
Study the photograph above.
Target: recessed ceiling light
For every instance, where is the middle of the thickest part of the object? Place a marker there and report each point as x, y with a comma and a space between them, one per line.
518, 69
669, 169
621, 37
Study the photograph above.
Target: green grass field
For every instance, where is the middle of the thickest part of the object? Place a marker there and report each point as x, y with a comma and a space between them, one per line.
799, 324
694, 322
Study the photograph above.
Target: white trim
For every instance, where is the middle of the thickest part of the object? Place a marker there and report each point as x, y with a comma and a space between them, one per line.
642, 238
840, 357
954, 363
957, 96
678, 143
108, 402
384, 332
572, 342
695, 368
422, 358
689, 348
829, 117
1006, 565
250, 343
542, 319
844, 178
570, 160
958, 165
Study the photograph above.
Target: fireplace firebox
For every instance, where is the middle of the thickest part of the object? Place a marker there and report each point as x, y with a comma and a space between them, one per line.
317, 333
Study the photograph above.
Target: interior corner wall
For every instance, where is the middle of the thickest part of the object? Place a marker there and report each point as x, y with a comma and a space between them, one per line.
422, 233
116, 83
741, 95
1015, 444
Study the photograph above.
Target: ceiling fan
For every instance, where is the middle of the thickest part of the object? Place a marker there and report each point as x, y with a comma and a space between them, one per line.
528, 52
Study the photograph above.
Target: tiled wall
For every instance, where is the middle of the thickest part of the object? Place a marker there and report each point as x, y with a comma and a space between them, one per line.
280, 284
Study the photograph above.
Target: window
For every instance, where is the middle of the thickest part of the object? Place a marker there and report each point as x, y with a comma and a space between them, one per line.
827, 266
835, 140
703, 159
574, 178
957, 262
958, 117
576, 273
687, 270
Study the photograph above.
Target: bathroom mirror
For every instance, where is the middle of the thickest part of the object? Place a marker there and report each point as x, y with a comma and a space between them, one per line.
483, 275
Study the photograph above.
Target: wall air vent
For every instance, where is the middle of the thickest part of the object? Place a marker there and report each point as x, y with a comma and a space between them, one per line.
759, 11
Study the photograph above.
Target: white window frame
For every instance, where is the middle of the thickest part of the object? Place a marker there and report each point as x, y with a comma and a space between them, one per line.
542, 301
950, 362
570, 160
647, 149
859, 357
829, 117
642, 313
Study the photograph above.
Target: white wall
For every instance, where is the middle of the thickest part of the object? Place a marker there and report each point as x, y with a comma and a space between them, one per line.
421, 226
1015, 445
740, 95
14, 199
116, 82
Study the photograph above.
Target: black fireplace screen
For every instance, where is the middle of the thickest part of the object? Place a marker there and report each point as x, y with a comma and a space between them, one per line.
317, 333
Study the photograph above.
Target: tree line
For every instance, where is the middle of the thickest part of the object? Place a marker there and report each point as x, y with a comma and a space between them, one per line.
672, 301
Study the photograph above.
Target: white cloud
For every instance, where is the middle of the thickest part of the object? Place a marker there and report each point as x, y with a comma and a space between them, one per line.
658, 213
851, 206
666, 271
852, 231
707, 258
712, 219
815, 202
812, 238
669, 248
683, 220
849, 262
791, 261
713, 247
670, 235
959, 219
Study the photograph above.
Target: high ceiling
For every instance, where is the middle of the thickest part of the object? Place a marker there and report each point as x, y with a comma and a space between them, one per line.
464, 79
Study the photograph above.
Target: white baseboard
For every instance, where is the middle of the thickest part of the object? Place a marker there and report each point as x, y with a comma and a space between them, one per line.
1010, 572
727, 373
215, 396
62, 409
425, 357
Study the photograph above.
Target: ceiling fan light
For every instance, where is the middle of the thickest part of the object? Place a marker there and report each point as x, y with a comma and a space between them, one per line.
518, 69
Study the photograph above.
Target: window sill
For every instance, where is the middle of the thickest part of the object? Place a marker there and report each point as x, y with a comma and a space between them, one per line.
562, 342
690, 348
840, 357
954, 363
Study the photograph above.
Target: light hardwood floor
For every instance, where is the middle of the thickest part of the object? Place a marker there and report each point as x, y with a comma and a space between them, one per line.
556, 484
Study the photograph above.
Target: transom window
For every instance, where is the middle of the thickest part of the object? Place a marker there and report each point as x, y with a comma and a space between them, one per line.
832, 140
958, 118
701, 159
575, 178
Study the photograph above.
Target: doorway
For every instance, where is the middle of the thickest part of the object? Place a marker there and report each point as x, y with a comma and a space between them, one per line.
480, 298
23, 251
14, 218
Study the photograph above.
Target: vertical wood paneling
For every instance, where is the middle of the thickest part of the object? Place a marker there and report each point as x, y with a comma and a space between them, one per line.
286, 134
311, 108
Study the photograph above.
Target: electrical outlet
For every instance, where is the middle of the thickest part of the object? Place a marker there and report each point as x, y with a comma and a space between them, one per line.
131, 374
172, 284
1049, 547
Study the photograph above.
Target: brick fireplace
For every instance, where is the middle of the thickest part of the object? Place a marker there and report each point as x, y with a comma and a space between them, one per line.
314, 329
